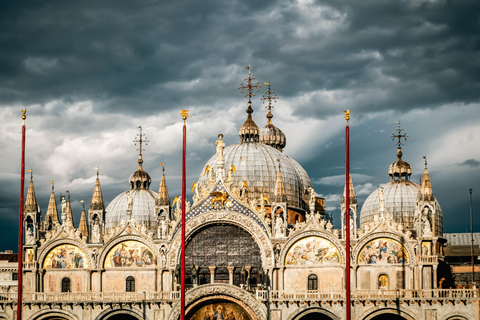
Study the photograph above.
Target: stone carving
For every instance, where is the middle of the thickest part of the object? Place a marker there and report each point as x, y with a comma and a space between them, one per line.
29, 238
94, 257
220, 146
279, 227
312, 199
96, 232
381, 200
276, 250
163, 229
163, 256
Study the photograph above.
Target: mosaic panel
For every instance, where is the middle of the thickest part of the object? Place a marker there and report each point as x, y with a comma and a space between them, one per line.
65, 256
383, 251
130, 254
312, 251
220, 311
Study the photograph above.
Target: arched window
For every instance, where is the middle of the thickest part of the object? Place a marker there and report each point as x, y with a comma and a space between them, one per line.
130, 284
66, 284
312, 282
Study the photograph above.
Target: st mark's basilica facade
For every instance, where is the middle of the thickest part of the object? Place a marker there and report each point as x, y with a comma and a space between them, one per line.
259, 245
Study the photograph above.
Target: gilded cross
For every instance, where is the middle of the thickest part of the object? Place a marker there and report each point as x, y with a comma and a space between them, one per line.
249, 85
268, 97
399, 135
141, 139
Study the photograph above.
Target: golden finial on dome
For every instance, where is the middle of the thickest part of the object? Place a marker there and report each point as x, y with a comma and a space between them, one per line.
98, 173
249, 85
52, 185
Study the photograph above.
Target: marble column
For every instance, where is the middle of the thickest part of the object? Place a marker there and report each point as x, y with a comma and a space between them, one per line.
230, 274
212, 273
248, 268
280, 278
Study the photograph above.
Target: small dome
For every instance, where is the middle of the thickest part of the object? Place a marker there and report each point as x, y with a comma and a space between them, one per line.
257, 164
143, 208
248, 132
400, 168
273, 136
140, 179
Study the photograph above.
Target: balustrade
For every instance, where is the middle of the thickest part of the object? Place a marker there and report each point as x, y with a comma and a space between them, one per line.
262, 295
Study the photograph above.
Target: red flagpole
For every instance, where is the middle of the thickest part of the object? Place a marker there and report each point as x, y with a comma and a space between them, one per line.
20, 222
347, 215
184, 114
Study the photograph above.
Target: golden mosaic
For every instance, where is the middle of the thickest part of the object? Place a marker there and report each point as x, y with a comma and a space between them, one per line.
65, 256
383, 251
130, 254
218, 311
311, 251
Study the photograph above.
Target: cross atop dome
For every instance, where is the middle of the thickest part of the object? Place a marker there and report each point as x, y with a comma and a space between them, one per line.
249, 85
399, 135
268, 97
140, 139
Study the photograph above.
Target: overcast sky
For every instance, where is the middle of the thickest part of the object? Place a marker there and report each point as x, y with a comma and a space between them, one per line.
90, 72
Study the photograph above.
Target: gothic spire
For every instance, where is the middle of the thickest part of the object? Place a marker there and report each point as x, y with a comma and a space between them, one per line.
97, 198
83, 223
425, 191
279, 188
162, 198
353, 198
31, 201
52, 212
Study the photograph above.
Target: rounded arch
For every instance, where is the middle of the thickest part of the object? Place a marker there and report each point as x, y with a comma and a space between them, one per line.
313, 313
380, 313
45, 250
49, 314
379, 235
117, 240
224, 217
117, 313
455, 316
329, 237
217, 291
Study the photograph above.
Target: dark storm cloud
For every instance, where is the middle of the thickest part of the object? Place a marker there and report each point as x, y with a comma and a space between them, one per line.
385, 55
472, 163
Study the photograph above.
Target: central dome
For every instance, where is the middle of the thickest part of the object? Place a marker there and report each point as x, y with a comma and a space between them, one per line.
258, 164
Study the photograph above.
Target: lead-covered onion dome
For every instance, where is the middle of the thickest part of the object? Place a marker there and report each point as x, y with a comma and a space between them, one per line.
271, 135
400, 198
143, 201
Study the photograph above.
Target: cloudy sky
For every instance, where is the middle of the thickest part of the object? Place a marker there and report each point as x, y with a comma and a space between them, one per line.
90, 72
